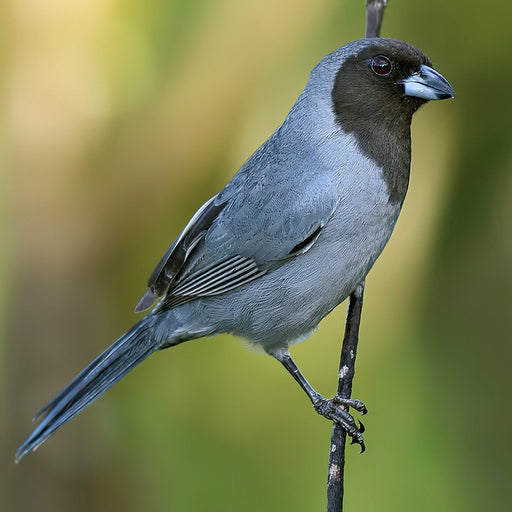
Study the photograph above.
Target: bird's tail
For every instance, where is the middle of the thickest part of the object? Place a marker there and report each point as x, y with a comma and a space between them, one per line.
109, 367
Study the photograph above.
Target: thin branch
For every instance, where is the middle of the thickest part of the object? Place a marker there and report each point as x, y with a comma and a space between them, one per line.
346, 374
335, 480
374, 15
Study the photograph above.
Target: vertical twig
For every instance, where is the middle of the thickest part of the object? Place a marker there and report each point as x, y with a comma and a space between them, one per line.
374, 15
346, 374
335, 479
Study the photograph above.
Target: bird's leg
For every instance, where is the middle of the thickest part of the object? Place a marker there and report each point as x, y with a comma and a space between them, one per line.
334, 409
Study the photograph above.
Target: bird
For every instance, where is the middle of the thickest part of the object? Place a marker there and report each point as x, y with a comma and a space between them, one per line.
293, 233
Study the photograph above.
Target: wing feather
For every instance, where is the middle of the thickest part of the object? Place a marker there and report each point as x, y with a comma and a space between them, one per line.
175, 257
219, 278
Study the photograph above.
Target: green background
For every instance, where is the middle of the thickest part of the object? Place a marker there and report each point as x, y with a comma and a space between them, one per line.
119, 118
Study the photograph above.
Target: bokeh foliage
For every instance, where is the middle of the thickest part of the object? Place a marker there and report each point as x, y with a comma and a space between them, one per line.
119, 119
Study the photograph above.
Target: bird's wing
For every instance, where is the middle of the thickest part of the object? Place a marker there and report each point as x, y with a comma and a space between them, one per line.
257, 223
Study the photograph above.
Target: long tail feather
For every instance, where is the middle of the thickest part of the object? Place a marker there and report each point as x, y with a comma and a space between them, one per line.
109, 367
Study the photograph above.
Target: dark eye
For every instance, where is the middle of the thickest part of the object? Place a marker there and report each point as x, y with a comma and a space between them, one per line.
381, 65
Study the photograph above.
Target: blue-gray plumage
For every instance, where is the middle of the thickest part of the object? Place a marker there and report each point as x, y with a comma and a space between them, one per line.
292, 234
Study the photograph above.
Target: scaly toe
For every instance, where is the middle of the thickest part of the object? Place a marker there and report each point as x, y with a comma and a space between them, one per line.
351, 402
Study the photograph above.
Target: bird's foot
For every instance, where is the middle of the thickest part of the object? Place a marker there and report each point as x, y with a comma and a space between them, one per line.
335, 410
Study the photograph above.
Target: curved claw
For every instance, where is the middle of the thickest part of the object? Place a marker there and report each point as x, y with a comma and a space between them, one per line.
358, 406
361, 427
360, 442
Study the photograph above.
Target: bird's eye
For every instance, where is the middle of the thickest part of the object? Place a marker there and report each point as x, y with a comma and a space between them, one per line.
381, 65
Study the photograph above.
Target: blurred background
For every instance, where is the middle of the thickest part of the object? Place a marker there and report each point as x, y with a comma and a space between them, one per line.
119, 119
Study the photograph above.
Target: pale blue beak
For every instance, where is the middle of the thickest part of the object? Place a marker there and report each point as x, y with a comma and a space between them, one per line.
427, 84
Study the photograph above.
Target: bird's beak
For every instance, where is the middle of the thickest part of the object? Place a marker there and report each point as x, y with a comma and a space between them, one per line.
427, 84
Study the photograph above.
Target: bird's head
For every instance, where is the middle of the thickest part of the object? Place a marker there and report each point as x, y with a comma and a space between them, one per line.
384, 80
